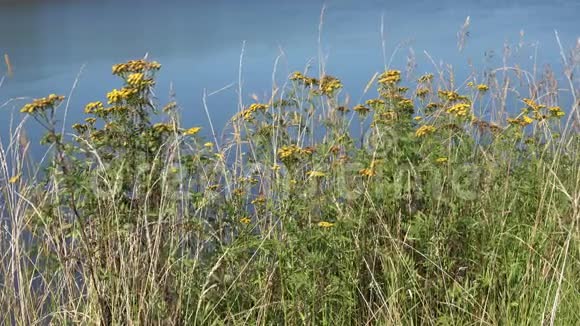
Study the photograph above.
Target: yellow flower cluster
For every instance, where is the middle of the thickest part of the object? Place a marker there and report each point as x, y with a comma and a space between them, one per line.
163, 127
406, 104
329, 85
308, 81
135, 79
459, 109
316, 174
450, 96
390, 77
442, 160
139, 81
556, 111
531, 104
192, 131
325, 225
367, 172
94, 107
432, 106
135, 66
425, 78
482, 87
292, 151
375, 103
118, 95
245, 220
524, 121
248, 113
425, 130
41, 104
422, 92
361, 109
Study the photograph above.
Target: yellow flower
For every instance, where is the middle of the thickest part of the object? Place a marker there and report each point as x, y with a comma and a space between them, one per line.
93, 107
329, 84
422, 92
316, 174
482, 87
451, 96
41, 104
470, 84
425, 130
325, 224
367, 172
375, 103
425, 78
521, 122
192, 131
432, 106
248, 113
441, 160
527, 120
118, 95
533, 105
291, 152
208, 145
135, 78
361, 109
556, 111
245, 220
135, 66
406, 104
390, 77
163, 127
307, 81
14, 179
417, 118
459, 109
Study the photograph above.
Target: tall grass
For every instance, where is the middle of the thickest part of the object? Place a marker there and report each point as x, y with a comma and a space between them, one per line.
425, 205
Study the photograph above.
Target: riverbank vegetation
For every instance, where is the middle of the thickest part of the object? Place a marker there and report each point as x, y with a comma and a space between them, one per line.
432, 202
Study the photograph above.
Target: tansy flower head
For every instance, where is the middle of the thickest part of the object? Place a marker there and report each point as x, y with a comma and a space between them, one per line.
532, 104
14, 179
459, 109
315, 174
367, 172
361, 109
425, 78
118, 95
192, 131
425, 130
556, 111
482, 87
93, 107
329, 85
375, 103
248, 113
422, 92
135, 66
390, 77
42, 104
307, 81
324, 224
163, 127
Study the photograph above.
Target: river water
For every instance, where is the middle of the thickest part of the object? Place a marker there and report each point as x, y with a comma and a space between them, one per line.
199, 43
